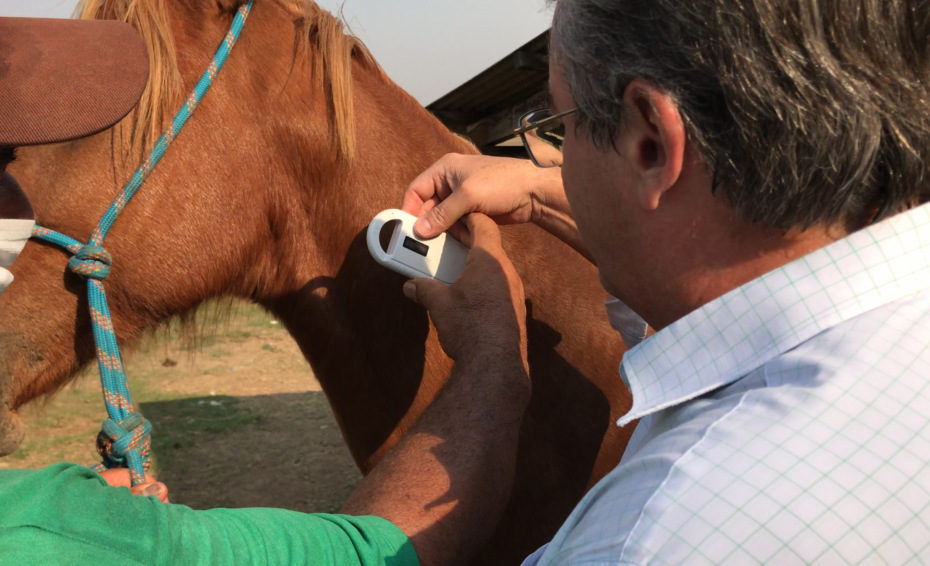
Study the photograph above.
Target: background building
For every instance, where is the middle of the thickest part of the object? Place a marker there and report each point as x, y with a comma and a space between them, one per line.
486, 107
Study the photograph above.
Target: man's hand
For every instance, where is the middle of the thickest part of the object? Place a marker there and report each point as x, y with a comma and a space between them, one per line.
483, 314
508, 190
119, 477
511, 191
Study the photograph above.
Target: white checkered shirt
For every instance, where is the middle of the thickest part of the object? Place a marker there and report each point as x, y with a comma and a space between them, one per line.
786, 422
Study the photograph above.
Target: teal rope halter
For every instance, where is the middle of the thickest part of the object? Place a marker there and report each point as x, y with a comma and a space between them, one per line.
124, 438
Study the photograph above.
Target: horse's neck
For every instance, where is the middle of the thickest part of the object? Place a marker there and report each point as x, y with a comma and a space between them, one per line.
251, 202
397, 139
363, 338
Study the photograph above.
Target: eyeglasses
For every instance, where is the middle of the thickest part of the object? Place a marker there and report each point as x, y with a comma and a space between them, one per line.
543, 133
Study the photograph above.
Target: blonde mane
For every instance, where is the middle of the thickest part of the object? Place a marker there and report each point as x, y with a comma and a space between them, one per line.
328, 43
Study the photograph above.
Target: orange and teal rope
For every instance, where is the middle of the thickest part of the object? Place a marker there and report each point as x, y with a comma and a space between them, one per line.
124, 439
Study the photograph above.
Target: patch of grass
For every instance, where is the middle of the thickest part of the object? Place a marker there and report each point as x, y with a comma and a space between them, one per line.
60, 448
200, 343
63, 428
238, 335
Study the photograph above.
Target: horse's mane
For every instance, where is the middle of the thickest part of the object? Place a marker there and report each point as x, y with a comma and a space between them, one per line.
331, 48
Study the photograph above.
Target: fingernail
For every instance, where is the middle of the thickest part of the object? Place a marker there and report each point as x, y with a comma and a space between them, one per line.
156, 489
410, 290
422, 226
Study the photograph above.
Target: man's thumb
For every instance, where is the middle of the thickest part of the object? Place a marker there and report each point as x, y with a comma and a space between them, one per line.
439, 218
422, 290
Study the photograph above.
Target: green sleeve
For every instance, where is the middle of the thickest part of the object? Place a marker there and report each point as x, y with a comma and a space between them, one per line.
66, 514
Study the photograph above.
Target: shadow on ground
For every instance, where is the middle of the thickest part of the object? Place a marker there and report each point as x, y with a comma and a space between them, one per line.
279, 450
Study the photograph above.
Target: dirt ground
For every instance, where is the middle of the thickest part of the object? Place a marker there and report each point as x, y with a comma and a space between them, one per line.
238, 418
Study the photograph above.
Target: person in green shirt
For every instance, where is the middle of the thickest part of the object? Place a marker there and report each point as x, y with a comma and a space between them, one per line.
65, 79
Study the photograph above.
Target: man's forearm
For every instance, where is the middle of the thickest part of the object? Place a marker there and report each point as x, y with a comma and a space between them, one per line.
561, 224
447, 482
551, 210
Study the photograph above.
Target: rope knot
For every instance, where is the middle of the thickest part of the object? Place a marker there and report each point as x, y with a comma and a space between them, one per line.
92, 262
125, 443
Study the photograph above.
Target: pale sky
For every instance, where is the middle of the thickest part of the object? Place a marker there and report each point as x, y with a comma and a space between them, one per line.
428, 47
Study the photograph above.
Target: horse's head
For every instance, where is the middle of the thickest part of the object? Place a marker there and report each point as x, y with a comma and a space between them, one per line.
252, 199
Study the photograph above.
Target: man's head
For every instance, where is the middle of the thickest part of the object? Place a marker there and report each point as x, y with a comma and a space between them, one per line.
59, 80
806, 112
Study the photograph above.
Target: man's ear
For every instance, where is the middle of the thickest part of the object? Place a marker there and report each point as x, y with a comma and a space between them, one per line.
653, 139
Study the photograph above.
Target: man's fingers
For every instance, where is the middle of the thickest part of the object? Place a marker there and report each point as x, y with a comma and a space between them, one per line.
422, 290
117, 477
413, 203
442, 216
482, 231
426, 197
430, 185
155, 489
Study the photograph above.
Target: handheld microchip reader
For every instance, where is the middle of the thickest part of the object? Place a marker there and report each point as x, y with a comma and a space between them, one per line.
441, 258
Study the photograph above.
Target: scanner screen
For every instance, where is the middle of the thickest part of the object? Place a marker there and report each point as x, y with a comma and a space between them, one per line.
415, 246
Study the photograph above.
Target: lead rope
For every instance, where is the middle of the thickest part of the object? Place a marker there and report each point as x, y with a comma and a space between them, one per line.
124, 440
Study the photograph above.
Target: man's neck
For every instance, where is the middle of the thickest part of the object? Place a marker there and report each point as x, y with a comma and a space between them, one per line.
708, 250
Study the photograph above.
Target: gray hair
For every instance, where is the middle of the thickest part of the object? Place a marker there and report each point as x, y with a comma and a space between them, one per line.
807, 111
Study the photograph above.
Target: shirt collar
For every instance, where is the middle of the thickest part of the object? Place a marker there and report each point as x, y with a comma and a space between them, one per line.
730, 336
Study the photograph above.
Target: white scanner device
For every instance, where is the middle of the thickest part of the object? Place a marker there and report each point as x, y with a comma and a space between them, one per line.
441, 258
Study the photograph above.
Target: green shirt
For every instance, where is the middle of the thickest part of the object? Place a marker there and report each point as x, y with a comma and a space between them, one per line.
66, 514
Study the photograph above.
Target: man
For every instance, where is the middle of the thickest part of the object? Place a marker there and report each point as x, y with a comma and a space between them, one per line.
749, 177
61, 80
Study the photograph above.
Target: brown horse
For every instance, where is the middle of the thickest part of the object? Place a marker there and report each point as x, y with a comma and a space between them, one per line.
265, 195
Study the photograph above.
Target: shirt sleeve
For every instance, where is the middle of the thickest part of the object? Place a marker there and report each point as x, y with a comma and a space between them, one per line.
69, 511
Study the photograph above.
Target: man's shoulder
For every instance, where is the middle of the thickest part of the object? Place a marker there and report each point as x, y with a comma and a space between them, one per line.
806, 458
